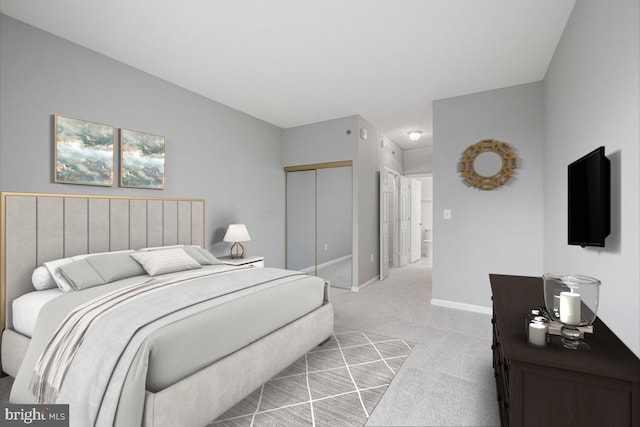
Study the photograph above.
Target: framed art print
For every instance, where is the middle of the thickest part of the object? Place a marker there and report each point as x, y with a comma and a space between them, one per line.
84, 152
141, 160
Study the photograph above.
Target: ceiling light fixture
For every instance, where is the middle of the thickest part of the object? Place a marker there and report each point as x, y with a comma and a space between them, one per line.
414, 135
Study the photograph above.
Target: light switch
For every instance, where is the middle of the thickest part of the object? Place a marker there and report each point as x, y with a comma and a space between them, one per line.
446, 214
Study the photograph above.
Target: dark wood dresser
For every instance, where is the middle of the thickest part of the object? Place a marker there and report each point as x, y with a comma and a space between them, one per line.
554, 386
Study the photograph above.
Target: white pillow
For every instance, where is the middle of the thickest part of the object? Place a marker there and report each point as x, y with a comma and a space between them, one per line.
160, 248
165, 261
42, 279
54, 269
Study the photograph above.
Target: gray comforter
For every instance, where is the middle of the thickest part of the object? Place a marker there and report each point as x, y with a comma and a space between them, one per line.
118, 344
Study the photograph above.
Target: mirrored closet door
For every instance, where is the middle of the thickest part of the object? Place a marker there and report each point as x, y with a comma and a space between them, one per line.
320, 221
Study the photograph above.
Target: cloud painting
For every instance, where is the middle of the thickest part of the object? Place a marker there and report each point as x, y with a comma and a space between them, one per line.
141, 160
83, 152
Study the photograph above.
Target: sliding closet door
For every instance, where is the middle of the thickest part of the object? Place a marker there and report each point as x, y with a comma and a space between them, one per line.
334, 225
301, 221
320, 221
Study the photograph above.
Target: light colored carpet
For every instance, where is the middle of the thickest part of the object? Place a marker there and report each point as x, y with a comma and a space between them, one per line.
338, 274
336, 384
447, 380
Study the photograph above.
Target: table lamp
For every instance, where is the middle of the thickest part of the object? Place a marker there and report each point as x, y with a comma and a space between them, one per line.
236, 233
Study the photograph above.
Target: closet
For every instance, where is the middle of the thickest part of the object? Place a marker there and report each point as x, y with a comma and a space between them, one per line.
320, 221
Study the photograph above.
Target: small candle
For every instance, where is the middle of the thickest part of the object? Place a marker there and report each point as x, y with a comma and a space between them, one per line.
537, 334
570, 308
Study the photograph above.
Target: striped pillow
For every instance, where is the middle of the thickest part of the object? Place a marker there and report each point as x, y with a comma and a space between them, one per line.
165, 261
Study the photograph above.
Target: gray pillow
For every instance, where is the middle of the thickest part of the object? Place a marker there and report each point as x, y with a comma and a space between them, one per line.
203, 256
81, 275
117, 266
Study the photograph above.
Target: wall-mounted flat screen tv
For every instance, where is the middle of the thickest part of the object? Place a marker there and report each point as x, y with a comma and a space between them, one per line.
590, 199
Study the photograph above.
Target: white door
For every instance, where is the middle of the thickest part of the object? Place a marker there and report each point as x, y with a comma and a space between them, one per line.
416, 220
405, 224
393, 206
384, 226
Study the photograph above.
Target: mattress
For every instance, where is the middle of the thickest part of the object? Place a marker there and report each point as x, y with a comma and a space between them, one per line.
26, 309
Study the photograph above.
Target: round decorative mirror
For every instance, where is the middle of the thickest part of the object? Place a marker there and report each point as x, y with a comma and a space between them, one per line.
488, 164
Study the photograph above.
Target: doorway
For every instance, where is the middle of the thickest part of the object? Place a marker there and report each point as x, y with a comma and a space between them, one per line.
403, 232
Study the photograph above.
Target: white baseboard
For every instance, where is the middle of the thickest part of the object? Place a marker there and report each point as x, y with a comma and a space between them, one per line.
461, 306
312, 269
367, 283
334, 261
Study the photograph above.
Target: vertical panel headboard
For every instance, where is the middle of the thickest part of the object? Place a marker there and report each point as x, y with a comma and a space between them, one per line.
35, 228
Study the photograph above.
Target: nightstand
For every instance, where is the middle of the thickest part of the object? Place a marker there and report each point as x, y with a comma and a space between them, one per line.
256, 261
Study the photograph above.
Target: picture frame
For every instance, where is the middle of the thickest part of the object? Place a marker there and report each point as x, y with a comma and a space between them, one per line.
83, 151
142, 160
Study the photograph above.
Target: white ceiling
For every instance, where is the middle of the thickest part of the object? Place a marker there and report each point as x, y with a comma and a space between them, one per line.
295, 62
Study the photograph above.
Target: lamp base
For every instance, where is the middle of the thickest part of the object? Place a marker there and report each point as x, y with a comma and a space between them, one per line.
236, 251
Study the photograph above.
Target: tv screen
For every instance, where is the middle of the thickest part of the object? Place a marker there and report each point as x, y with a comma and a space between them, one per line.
590, 199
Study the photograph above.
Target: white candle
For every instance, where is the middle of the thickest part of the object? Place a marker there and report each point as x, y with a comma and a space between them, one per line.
537, 334
570, 308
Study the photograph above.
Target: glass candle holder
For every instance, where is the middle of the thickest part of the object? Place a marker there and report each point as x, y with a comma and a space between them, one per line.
571, 300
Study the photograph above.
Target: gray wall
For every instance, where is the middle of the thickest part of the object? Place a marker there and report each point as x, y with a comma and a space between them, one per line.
391, 155
368, 170
498, 231
323, 142
232, 160
418, 161
592, 98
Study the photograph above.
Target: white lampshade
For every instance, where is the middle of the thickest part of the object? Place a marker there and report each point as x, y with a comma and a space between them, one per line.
237, 233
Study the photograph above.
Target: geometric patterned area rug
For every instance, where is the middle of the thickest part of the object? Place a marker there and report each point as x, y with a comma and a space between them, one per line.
336, 384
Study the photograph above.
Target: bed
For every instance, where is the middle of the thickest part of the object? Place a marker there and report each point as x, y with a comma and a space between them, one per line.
227, 365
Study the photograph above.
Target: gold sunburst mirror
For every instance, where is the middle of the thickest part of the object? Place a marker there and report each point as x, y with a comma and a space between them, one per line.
488, 164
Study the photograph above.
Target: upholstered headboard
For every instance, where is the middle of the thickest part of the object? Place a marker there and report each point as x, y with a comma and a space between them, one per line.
35, 228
